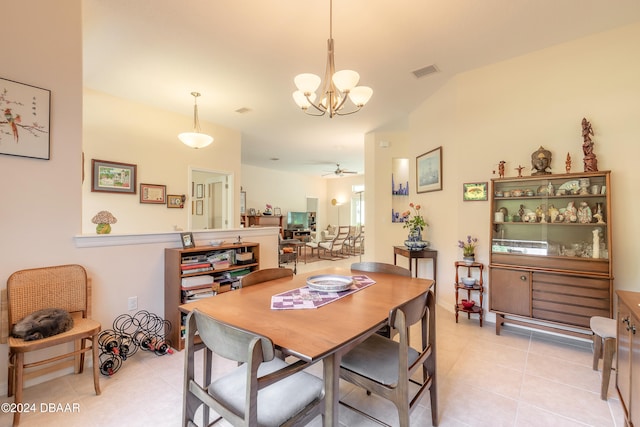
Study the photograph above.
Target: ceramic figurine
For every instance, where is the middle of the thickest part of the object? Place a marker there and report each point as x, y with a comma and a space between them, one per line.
553, 214
596, 243
501, 168
584, 213
519, 169
567, 163
571, 212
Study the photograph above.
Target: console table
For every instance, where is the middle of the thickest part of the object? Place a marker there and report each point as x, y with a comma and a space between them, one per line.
415, 256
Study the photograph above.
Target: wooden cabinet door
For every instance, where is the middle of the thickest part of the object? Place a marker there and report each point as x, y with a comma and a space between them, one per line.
510, 291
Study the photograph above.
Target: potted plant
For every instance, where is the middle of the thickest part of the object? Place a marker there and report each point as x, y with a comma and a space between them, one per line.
468, 249
416, 225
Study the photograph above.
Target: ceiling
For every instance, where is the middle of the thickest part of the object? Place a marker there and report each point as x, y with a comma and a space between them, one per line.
244, 54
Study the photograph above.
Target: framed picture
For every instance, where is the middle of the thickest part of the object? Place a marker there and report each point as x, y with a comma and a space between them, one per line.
429, 171
113, 177
243, 202
252, 211
24, 129
474, 191
187, 240
199, 191
199, 207
175, 201
277, 211
153, 193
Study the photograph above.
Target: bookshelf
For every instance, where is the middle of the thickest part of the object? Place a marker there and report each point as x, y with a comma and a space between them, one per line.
202, 272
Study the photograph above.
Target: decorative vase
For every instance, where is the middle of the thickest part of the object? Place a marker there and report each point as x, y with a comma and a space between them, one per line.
414, 241
103, 228
469, 259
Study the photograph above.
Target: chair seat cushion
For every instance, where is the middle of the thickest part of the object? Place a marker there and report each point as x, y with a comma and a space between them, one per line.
603, 326
377, 358
277, 402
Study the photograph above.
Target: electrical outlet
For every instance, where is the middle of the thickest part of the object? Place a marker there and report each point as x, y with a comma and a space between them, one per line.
132, 303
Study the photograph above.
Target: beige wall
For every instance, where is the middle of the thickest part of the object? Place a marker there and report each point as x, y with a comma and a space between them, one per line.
115, 129
507, 110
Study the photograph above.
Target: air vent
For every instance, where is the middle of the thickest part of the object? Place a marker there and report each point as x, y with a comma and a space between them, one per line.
425, 71
243, 110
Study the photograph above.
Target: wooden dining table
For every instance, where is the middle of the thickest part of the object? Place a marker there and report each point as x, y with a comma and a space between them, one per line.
324, 333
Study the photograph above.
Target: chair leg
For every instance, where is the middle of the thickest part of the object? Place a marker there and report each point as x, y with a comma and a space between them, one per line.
18, 385
96, 364
11, 376
607, 361
597, 350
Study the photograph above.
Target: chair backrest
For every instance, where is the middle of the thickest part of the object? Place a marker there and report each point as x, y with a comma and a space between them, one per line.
380, 267
265, 275
231, 342
341, 236
63, 286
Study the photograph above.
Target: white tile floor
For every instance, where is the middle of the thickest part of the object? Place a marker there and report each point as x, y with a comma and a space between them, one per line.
519, 378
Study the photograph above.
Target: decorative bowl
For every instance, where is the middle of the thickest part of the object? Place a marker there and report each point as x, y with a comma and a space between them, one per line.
416, 245
467, 304
329, 283
216, 242
469, 281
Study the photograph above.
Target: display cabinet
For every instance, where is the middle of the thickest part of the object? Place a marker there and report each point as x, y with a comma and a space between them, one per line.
202, 272
469, 282
551, 261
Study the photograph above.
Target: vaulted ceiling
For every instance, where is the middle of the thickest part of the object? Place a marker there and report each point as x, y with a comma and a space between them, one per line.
244, 54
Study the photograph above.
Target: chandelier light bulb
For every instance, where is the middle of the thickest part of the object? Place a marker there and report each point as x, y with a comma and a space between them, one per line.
307, 82
345, 80
360, 95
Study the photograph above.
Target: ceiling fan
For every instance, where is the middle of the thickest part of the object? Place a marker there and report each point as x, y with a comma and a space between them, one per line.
339, 171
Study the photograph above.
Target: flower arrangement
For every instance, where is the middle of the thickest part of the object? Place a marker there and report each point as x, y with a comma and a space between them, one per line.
104, 219
468, 247
267, 209
417, 221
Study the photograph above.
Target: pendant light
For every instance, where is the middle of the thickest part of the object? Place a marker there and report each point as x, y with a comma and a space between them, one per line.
195, 139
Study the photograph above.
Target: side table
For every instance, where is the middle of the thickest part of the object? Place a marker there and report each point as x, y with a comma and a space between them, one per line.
415, 256
478, 286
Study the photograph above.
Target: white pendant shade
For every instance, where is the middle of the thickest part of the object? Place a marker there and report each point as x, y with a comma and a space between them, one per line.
345, 80
360, 95
195, 139
302, 101
307, 82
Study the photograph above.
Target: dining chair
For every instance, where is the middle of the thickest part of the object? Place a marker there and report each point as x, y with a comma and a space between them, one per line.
604, 346
262, 391
266, 274
381, 267
385, 367
65, 287
335, 246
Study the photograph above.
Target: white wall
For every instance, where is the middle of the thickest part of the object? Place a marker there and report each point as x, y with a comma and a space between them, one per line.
507, 110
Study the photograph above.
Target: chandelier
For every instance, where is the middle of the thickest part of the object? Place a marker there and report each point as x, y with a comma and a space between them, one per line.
338, 86
195, 139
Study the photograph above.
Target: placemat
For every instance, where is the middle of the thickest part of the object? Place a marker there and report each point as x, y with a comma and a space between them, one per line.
303, 298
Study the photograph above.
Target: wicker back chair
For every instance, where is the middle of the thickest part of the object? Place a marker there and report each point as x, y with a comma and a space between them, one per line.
65, 287
265, 275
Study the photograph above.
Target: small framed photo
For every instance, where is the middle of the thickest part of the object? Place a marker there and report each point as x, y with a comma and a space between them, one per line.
252, 211
153, 193
175, 201
277, 211
187, 240
474, 191
429, 171
113, 177
199, 191
199, 207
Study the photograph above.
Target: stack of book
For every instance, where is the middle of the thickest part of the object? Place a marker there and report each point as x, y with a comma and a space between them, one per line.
195, 267
196, 287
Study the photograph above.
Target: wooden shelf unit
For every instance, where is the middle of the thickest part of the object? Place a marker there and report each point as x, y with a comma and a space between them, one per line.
472, 270
173, 275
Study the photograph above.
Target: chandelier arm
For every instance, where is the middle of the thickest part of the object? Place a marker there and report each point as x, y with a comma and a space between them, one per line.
339, 113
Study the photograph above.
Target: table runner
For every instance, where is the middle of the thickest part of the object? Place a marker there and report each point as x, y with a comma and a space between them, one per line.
303, 298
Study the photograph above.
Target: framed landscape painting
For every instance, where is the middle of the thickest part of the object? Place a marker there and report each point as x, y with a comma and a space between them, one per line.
429, 171
113, 177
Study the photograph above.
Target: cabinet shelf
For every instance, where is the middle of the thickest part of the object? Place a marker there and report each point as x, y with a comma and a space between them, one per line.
473, 270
